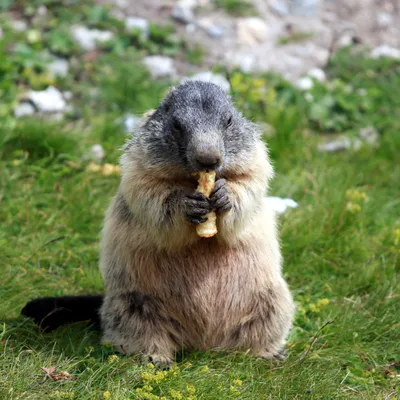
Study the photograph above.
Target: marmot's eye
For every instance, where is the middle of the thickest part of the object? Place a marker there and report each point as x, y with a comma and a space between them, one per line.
176, 125
229, 121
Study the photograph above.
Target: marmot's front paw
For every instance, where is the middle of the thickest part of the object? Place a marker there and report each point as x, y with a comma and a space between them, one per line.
197, 206
219, 198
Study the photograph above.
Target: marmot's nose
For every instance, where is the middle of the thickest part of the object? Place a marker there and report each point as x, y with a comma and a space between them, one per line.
208, 160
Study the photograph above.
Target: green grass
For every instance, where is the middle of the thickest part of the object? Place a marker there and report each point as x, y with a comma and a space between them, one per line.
51, 212
237, 7
340, 246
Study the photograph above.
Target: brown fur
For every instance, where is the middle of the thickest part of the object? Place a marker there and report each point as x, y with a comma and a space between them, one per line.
166, 288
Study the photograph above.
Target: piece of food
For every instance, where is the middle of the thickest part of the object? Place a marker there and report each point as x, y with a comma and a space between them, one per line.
206, 181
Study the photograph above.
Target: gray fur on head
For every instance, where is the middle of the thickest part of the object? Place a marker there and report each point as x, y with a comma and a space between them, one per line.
196, 126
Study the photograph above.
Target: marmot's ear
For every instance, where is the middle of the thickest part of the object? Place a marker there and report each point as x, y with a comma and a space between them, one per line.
146, 116
165, 104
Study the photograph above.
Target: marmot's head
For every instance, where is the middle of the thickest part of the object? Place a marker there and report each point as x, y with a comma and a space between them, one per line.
196, 127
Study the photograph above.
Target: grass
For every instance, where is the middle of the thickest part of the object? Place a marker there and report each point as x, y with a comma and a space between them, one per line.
340, 246
342, 267
237, 7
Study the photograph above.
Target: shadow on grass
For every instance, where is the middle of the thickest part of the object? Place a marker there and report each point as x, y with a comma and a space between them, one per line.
76, 339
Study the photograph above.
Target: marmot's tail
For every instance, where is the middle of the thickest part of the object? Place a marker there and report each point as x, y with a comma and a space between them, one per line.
51, 312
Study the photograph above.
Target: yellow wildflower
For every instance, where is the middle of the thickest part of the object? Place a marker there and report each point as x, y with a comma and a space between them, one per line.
355, 195
204, 369
238, 382
258, 83
93, 167
234, 391
113, 358
313, 308
190, 389
175, 394
323, 302
106, 395
109, 169
396, 236
353, 208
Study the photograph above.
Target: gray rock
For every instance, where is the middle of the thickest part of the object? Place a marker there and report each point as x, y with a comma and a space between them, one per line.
207, 76
97, 152
251, 30
160, 66
67, 95
41, 11
345, 41
18, 25
87, 38
137, 23
304, 83
340, 144
182, 14
216, 31
369, 135
305, 8
385, 51
130, 123
384, 19
280, 8
246, 62
1, 33
59, 67
23, 109
335, 145
122, 3
318, 74
190, 28
50, 100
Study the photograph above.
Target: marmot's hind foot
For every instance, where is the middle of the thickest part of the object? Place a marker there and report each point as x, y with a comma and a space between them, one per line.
279, 355
159, 361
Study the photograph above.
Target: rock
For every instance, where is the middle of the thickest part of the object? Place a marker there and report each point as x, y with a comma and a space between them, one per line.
160, 66
304, 83
345, 41
41, 11
318, 74
182, 14
23, 109
246, 62
207, 76
384, 19
216, 31
48, 101
251, 30
369, 135
280, 8
122, 3
137, 23
305, 8
335, 145
385, 51
88, 38
18, 25
59, 67
97, 152
131, 122
340, 144
278, 204
1, 33
190, 28
190, 3
67, 95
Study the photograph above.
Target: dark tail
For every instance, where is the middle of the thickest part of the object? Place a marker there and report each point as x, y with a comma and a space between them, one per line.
51, 312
